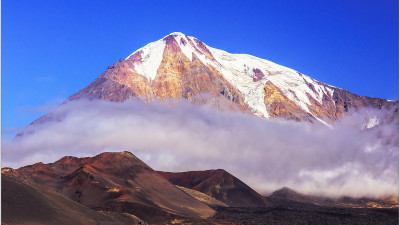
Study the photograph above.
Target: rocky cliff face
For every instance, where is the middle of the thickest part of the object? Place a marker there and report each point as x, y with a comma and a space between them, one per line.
177, 77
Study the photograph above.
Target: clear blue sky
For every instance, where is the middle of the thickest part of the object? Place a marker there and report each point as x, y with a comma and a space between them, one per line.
52, 49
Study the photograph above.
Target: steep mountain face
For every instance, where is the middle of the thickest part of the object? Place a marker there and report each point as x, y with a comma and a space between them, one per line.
161, 71
114, 182
182, 67
219, 184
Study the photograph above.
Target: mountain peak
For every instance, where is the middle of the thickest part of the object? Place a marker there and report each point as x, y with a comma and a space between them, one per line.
179, 66
147, 59
177, 34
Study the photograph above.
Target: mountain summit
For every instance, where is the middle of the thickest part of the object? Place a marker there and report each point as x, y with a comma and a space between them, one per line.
182, 67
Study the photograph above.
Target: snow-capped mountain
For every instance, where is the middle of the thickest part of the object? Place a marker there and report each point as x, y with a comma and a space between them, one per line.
179, 66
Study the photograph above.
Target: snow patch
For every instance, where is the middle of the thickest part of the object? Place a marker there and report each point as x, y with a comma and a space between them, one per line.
151, 59
238, 70
186, 49
372, 122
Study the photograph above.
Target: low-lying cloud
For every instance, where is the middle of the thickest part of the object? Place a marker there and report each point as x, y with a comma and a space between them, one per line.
267, 155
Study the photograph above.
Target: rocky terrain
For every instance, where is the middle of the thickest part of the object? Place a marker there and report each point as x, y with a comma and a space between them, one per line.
288, 213
114, 182
118, 188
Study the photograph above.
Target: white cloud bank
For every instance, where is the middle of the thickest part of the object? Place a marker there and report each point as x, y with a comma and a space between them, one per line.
267, 155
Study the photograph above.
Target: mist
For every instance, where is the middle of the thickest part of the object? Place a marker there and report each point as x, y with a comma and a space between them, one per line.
348, 158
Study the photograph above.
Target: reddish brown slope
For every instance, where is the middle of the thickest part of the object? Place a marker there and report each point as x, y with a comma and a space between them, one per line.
346, 101
117, 182
119, 82
24, 203
218, 184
